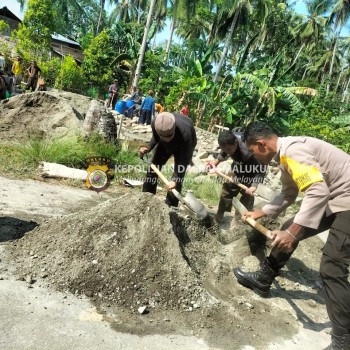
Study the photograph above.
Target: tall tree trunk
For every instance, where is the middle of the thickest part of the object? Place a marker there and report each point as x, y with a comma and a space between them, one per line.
340, 75
199, 115
227, 44
144, 42
100, 16
304, 74
167, 50
299, 52
332, 62
345, 90
139, 12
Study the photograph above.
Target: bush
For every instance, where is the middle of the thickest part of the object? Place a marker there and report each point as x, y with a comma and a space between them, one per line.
70, 76
97, 60
50, 70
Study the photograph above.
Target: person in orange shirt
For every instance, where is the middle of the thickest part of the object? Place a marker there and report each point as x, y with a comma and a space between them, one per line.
159, 108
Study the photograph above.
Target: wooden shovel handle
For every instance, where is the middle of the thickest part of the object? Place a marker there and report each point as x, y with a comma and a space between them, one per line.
166, 182
228, 178
160, 175
242, 209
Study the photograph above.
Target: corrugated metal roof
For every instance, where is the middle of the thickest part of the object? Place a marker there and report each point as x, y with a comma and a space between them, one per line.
64, 39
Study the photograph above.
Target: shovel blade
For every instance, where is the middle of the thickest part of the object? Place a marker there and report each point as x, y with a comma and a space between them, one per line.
195, 205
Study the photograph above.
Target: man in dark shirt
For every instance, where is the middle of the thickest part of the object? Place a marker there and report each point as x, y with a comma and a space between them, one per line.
113, 94
172, 135
246, 169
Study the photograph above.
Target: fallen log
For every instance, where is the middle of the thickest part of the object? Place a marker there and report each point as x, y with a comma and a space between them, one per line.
61, 171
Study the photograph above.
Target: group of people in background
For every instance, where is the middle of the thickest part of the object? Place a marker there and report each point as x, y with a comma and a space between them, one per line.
12, 81
145, 108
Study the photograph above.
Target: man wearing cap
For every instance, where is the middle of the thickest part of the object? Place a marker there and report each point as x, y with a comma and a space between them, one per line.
113, 94
172, 135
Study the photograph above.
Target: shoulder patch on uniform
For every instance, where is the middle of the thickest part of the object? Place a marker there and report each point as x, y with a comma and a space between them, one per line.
303, 175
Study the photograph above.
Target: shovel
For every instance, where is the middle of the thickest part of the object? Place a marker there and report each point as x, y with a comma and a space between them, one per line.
228, 178
242, 209
190, 201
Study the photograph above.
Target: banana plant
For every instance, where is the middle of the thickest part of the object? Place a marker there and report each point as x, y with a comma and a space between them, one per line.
270, 96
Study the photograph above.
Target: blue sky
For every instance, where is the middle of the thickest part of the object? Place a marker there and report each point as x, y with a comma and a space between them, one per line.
12, 5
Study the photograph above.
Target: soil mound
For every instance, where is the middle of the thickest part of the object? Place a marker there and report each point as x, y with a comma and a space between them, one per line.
132, 251
122, 251
42, 113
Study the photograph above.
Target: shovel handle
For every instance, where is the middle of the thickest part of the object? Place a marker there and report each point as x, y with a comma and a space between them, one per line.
160, 175
228, 178
166, 182
242, 209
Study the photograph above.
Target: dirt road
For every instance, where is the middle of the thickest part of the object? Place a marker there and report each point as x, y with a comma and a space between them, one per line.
46, 304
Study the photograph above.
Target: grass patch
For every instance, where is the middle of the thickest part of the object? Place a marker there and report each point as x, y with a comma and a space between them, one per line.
205, 188
23, 159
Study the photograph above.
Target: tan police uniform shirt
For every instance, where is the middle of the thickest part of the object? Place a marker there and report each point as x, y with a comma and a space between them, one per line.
317, 168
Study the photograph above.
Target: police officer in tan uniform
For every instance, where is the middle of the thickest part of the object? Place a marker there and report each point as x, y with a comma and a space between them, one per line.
322, 172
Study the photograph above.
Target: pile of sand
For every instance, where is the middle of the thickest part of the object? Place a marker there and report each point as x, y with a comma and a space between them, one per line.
123, 251
53, 114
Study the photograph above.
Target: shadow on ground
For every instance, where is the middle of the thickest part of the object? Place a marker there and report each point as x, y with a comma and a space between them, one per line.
12, 228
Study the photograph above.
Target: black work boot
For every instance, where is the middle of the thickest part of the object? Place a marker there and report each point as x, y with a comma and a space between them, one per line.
260, 281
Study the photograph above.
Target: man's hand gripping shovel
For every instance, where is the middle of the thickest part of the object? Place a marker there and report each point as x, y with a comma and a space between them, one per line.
240, 207
192, 203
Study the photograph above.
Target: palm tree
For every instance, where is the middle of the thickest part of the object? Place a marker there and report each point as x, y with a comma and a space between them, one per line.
144, 43
178, 9
313, 24
240, 8
340, 15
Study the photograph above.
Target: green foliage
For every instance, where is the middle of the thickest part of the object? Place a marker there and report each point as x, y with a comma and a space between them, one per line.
70, 76
50, 70
92, 92
319, 119
151, 78
178, 91
71, 151
97, 59
4, 27
34, 34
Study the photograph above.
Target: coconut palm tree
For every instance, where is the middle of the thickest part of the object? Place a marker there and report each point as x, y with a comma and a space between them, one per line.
313, 24
232, 13
144, 43
178, 9
339, 16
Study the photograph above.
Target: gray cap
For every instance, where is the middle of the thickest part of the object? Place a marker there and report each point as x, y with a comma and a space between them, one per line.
165, 126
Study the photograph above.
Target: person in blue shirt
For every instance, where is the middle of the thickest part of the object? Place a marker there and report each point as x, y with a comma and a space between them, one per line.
147, 109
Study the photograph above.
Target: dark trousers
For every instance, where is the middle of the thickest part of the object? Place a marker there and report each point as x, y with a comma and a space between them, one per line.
334, 267
112, 100
32, 82
159, 159
146, 117
230, 190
